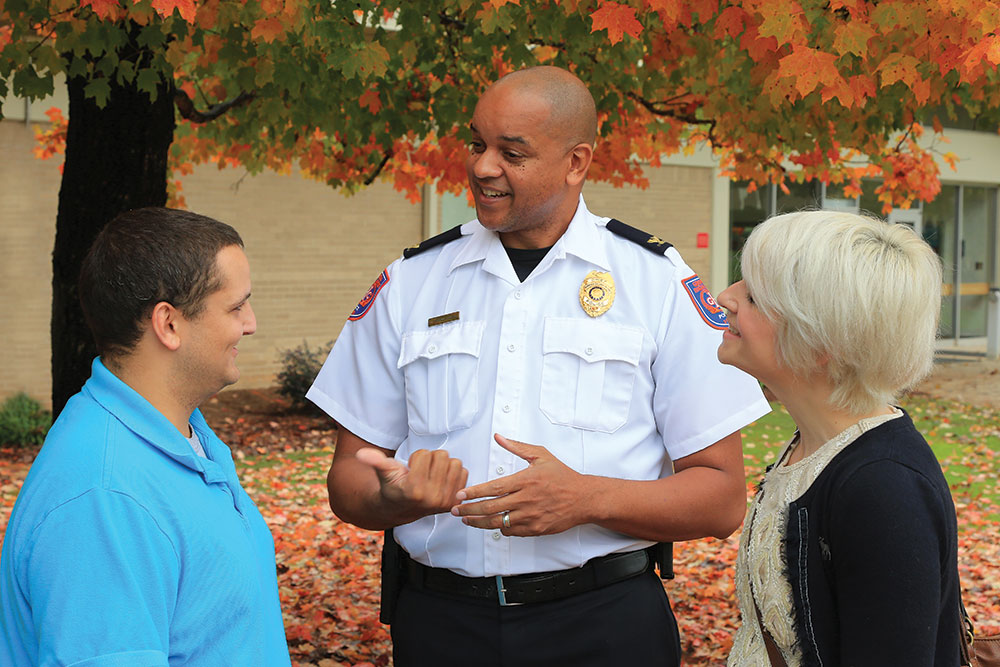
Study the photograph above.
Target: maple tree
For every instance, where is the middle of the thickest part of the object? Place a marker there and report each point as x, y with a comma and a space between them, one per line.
835, 90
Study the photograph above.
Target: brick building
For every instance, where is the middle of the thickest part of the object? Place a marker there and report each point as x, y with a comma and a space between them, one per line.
313, 251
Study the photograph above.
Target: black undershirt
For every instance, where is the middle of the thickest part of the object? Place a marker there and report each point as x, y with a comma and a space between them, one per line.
525, 260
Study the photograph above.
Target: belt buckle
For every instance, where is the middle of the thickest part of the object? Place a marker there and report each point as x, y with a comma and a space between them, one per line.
501, 593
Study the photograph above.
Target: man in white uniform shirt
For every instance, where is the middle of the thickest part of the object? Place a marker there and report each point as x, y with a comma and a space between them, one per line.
537, 323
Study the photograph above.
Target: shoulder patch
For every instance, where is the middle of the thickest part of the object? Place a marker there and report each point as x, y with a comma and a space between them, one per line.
440, 239
368, 299
637, 236
710, 311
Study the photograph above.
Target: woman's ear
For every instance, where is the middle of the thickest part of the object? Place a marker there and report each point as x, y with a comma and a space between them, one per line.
164, 325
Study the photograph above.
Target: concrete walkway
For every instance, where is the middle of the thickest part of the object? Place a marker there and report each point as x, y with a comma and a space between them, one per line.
965, 349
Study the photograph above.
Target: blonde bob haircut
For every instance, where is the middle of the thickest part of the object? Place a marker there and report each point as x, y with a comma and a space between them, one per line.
851, 297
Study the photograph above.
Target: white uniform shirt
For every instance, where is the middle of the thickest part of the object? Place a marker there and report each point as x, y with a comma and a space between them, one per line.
618, 395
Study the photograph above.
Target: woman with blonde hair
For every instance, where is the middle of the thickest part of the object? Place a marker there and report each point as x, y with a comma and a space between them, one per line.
848, 552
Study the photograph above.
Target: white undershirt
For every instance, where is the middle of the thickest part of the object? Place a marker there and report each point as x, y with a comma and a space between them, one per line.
196, 443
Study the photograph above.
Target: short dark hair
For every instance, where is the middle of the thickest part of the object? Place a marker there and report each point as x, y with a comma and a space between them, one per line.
145, 256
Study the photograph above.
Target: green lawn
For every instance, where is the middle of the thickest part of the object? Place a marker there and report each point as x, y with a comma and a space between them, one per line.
966, 440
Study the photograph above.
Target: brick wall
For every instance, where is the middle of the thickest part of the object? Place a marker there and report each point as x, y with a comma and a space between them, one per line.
676, 207
29, 192
313, 251
313, 254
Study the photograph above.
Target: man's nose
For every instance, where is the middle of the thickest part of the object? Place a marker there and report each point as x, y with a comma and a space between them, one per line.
486, 164
250, 326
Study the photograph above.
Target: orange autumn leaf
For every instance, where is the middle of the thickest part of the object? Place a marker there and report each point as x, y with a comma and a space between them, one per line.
268, 29
617, 19
898, 67
102, 8
370, 100
186, 8
810, 68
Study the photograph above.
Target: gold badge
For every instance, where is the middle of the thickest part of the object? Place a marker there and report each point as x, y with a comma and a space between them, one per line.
597, 293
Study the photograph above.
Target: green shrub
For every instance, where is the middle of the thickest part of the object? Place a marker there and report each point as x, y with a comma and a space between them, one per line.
23, 421
299, 367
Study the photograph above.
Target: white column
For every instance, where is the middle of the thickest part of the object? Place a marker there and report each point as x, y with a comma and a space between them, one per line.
718, 241
993, 324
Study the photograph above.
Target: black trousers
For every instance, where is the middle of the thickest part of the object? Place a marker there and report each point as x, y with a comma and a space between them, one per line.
628, 623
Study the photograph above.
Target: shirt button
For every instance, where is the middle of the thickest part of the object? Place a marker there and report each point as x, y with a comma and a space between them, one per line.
517, 295
511, 347
499, 470
496, 536
433, 348
589, 351
506, 408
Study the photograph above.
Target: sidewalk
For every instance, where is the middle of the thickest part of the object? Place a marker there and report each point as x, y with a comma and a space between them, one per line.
965, 349
963, 373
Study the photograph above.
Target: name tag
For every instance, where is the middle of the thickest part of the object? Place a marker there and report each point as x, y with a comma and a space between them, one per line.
442, 319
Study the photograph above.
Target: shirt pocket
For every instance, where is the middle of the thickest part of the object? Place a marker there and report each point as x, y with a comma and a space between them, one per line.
441, 372
588, 372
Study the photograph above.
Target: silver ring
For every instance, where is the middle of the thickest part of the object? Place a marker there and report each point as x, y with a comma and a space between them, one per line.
506, 520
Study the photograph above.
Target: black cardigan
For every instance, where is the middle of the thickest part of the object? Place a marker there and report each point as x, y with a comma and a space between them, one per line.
871, 550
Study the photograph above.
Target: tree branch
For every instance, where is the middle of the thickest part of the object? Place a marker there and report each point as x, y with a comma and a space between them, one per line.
378, 170
186, 106
657, 109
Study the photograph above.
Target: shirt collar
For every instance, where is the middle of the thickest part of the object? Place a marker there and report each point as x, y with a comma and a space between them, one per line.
582, 239
139, 416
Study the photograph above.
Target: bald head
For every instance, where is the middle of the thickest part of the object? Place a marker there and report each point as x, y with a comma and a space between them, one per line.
573, 114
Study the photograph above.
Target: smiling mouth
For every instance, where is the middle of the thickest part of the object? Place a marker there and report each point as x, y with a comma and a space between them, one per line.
489, 193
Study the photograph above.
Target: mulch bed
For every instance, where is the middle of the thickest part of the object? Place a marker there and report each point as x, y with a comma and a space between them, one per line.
260, 421
250, 421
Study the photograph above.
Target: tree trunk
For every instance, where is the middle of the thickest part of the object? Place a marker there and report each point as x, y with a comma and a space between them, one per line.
116, 160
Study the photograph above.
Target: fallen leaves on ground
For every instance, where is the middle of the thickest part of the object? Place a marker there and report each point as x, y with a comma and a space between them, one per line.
328, 571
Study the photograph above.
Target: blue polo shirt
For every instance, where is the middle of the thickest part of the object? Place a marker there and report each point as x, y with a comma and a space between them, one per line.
125, 548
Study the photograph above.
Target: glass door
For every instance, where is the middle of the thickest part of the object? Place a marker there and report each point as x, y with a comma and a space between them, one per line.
940, 230
975, 258
959, 224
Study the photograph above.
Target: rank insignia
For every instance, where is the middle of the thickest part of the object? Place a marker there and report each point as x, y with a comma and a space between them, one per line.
366, 302
597, 293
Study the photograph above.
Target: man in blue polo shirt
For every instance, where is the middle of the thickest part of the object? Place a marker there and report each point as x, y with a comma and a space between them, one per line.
132, 542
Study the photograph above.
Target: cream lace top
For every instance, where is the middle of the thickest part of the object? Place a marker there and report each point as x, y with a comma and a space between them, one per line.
761, 571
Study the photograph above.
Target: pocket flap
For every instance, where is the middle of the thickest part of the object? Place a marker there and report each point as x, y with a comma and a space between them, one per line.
457, 338
592, 341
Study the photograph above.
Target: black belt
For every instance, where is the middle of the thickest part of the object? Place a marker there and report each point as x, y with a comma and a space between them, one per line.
528, 588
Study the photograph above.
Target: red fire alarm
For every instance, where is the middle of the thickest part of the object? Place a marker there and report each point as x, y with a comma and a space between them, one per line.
703, 240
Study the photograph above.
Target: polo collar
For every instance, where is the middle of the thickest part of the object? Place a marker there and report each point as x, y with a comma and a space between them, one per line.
145, 421
581, 239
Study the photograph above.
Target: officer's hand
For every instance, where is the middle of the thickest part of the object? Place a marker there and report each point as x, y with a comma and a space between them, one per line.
548, 497
427, 486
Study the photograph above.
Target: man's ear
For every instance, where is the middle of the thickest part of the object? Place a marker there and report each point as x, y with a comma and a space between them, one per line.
580, 157
163, 323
